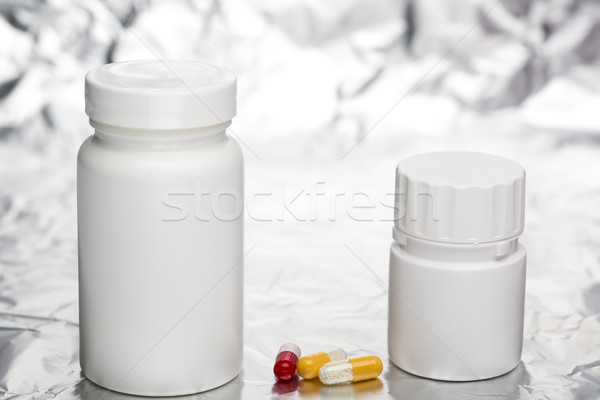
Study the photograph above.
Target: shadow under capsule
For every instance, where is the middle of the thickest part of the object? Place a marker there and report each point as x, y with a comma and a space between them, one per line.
285, 387
313, 388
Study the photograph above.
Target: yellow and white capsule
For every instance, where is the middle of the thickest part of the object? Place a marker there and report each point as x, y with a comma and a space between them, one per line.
352, 370
309, 366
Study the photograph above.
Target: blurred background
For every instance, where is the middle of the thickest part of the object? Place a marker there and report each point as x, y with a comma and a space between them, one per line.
331, 96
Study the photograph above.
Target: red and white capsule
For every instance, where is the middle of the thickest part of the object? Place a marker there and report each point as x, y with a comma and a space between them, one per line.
285, 363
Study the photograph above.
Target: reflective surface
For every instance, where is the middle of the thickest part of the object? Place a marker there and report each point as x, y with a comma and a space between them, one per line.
314, 79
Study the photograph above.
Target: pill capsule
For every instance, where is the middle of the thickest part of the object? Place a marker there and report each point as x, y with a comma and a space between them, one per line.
352, 370
285, 363
308, 366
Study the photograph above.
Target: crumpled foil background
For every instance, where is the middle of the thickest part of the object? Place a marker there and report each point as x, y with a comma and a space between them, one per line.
332, 94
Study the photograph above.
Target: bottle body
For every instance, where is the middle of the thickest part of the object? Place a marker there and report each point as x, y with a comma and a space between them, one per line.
160, 222
456, 310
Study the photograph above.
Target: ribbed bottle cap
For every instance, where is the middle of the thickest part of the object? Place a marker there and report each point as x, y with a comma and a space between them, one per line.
460, 197
155, 94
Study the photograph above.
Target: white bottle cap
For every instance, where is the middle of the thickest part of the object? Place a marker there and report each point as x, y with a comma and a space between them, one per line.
459, 197
155, 94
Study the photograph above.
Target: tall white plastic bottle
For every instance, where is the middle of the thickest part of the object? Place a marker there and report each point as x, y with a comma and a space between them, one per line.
457, 271
160, 221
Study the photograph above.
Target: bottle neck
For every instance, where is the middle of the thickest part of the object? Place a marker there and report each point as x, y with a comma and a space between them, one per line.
158, 139
461, 252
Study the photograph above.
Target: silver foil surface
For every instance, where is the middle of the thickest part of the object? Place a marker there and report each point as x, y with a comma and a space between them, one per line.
331, 96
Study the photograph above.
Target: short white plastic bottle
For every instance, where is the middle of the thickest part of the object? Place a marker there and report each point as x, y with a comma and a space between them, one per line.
160, 223
457, 271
